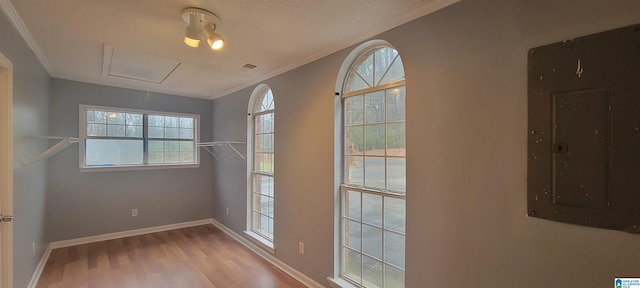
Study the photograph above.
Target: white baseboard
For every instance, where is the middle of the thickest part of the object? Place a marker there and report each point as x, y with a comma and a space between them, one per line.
304, 279
129, 233
39, 268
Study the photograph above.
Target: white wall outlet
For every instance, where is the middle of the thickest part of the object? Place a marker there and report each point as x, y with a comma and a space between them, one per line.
227, 210
301, 247
33, 248
134, 212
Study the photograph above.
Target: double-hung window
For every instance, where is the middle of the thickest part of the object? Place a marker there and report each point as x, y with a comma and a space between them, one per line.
113, 138
261, 179
373, 188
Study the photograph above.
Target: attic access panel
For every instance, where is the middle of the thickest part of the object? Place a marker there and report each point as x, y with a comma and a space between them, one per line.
584, 130
137, 66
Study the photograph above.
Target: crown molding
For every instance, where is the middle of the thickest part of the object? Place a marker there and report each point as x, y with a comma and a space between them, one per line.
431, 7
17, 22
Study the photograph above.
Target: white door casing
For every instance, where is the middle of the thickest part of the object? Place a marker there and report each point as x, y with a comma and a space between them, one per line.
6, 171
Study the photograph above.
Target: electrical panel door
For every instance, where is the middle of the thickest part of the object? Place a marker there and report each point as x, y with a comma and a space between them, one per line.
584, 130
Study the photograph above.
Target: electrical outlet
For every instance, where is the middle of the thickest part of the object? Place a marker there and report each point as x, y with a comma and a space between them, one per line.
33, 248
134, 212
301, 247
227, 210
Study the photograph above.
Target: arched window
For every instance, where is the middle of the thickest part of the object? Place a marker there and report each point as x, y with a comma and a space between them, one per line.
373, 184
261, 178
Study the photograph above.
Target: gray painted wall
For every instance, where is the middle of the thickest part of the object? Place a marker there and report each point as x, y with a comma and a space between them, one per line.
466, 137
230, 124
83, 204
30, 118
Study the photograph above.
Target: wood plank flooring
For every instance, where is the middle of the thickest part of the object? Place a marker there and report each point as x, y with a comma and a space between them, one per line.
201, 256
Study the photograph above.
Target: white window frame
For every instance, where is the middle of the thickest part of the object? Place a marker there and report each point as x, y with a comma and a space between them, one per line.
340, 187
146, 166
264, 242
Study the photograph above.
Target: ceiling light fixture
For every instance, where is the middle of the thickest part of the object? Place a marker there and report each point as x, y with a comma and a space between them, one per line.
194, 30
201, 20
213, 39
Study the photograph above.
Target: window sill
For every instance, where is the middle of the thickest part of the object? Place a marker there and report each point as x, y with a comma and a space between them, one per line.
130, 168
338, 282
261, 241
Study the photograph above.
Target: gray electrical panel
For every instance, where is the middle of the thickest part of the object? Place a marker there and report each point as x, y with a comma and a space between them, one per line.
584, 130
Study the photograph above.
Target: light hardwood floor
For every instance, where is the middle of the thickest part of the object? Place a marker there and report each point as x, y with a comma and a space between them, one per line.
201, 256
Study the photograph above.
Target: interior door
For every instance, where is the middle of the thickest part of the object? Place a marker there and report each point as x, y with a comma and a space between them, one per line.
6, 173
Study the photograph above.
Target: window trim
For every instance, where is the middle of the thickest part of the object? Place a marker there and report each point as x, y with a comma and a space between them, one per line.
339, 129
263, 242
82, 128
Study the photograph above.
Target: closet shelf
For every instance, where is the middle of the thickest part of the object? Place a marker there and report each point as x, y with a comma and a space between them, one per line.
61, 145
223, 149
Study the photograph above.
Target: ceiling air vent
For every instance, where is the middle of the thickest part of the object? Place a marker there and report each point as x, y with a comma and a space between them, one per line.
247, 67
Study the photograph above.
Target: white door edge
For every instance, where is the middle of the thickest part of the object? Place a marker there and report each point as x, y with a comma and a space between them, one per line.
6, 171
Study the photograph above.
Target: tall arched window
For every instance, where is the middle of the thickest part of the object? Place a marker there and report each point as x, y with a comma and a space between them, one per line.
261, 178
373, 184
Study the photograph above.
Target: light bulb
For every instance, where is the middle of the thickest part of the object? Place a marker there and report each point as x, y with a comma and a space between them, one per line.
217, 44
213, 39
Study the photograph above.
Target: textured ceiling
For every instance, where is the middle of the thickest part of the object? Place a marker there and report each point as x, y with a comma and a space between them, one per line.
70, 36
